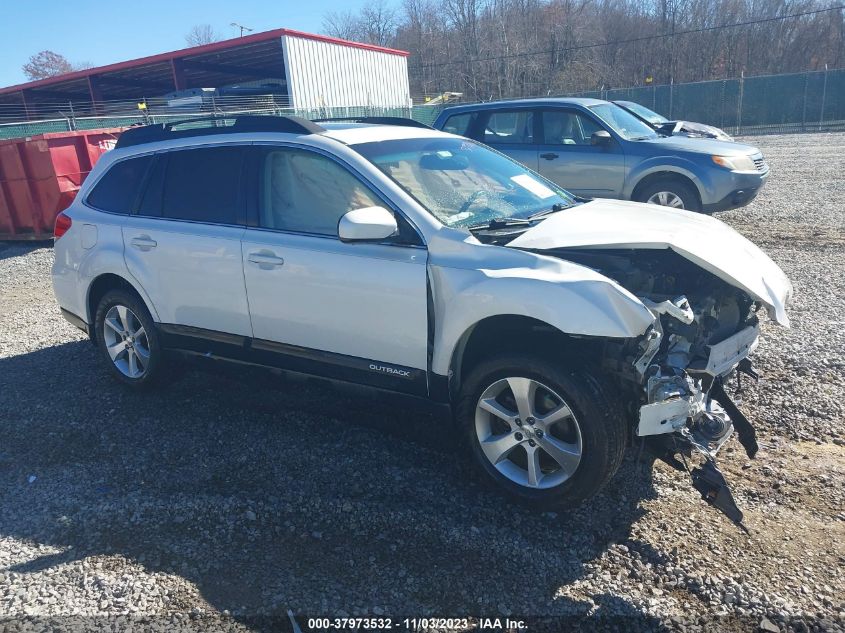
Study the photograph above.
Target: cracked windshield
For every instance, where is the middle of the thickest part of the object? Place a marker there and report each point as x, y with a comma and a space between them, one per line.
464, 184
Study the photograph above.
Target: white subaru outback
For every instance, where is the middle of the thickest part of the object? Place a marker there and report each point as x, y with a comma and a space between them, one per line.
558, 329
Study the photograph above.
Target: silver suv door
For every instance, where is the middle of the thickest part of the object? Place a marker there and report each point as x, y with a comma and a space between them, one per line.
356, 311
568, 157
510, 131
183, 245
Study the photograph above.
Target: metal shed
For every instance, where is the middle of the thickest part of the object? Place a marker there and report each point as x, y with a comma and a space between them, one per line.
315, 71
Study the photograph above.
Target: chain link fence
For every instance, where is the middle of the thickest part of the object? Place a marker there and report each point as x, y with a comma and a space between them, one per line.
771, 104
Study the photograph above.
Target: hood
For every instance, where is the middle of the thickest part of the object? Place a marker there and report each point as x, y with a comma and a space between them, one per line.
700, 129
702, 146
703, 240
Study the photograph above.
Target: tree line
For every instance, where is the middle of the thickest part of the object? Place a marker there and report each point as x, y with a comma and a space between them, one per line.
508, 48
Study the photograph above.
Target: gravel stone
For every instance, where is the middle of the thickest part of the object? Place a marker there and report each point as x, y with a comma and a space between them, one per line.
127, 505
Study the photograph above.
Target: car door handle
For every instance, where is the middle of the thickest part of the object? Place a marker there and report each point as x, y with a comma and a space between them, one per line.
265, 260
549, 155
144, 242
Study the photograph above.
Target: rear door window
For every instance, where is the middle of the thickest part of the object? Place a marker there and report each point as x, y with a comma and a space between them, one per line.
117, 191
201, 185
510, 127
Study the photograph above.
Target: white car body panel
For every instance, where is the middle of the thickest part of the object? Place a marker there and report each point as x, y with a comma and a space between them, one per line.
472, 282
189, 259
703, 240
357, 299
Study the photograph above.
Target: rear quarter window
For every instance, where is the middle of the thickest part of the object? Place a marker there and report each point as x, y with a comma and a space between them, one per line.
117, 191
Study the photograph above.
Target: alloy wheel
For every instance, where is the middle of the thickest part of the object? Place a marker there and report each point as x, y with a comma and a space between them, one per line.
528, 432
126, 341
667, 199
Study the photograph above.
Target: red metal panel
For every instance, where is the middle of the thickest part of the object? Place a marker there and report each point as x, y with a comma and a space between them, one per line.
40, 175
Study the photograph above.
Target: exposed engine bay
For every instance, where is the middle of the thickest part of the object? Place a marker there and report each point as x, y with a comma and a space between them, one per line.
704, 330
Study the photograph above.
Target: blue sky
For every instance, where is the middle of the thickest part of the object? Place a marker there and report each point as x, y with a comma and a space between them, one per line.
102, 32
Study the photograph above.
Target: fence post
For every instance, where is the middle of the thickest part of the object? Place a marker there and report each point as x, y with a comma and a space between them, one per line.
739, 104
671, 95
824, 95
654, 97
722, 106
804, 110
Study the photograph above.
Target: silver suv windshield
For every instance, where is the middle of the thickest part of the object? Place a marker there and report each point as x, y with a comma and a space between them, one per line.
623, 122
649, 115
462, 183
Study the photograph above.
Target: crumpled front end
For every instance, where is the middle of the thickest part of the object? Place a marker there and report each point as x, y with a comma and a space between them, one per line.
703, 332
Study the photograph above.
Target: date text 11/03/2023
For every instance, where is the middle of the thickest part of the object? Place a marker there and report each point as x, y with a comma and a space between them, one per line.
416, 624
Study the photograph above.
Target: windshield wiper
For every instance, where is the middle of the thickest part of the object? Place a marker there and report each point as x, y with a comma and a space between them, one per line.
554, 209
501, 223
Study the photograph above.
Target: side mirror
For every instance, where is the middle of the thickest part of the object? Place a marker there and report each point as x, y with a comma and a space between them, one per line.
370, 224
601, 137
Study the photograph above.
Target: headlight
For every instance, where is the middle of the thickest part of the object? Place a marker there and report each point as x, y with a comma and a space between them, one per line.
735, 163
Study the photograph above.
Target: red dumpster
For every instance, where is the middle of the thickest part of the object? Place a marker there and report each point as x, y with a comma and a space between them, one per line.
40, 175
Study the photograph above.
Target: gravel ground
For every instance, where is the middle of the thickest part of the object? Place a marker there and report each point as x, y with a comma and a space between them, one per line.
233, 495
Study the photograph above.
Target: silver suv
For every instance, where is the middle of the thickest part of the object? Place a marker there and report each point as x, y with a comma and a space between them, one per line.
558, 331
596, 149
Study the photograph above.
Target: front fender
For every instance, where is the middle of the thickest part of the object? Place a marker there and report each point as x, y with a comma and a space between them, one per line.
571, 298
672, 164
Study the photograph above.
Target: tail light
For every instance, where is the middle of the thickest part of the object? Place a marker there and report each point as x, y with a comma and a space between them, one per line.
62, 225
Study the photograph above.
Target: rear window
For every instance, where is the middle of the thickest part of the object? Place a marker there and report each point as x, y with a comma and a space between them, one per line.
203, 185
117, 191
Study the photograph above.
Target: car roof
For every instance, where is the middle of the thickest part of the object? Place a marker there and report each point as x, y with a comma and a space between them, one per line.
354, 133
544, 101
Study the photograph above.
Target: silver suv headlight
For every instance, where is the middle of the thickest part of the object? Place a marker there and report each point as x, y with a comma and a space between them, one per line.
735, 163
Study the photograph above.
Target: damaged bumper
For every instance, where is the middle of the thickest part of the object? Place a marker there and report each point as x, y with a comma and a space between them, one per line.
676, 400
701, 420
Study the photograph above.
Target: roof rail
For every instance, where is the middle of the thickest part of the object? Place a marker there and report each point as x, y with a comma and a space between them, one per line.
378, 120
212, 125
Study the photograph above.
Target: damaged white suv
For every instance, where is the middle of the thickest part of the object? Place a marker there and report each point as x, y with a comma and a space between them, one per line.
559, 330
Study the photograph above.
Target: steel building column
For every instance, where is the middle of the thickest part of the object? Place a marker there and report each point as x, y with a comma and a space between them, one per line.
178, 70
96, 93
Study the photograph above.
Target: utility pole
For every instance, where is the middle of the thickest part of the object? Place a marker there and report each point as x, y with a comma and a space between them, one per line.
241, 27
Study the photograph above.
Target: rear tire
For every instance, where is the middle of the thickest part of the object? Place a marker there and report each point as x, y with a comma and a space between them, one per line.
535, 452
670, 192
128, 340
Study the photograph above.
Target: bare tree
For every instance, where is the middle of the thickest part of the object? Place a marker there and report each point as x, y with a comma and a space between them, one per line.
504, 48
47, 64
378, 23
201, 34
343, 24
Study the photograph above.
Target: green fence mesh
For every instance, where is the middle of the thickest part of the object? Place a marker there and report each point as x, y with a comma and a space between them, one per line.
799, 102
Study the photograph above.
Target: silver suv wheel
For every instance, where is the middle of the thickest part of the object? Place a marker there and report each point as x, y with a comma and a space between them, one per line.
667, 199
126, 341
528, 433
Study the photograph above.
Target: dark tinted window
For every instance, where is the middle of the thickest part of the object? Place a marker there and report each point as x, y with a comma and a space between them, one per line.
203, 185
152, 196
118, 189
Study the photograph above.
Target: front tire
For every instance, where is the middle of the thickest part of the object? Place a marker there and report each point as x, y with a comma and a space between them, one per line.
546, 435
127, 339
670, 192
